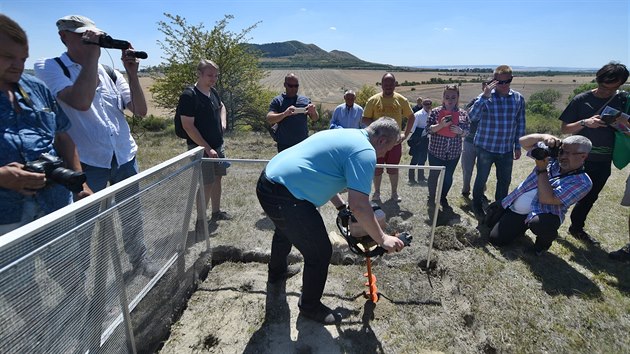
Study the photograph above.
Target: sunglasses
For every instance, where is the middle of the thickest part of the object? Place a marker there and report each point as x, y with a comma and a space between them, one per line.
504, 82
293, 86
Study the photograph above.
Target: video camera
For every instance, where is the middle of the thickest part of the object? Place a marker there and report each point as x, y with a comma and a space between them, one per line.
542, 151
106, 41
52, 167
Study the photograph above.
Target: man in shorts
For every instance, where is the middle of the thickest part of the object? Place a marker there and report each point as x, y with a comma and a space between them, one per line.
623, 254
204, 118
389, 104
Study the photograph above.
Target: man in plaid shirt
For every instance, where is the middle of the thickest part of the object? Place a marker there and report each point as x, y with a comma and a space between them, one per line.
541, 201
500, 113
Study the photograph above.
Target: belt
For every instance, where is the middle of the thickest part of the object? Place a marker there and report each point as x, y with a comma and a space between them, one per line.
272, 187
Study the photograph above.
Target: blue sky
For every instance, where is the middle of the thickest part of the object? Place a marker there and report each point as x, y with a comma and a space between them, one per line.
535, 33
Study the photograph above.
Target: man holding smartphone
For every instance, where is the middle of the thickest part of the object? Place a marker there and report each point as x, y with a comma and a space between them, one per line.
290, 111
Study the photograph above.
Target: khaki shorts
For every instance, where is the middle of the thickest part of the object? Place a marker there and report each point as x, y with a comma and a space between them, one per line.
625, 201
210, 169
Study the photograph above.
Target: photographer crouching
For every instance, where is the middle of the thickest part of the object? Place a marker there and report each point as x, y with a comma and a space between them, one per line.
541, 201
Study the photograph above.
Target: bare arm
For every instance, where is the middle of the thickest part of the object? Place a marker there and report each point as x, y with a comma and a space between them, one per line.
188, 123
13, 177
575, 127
138, 104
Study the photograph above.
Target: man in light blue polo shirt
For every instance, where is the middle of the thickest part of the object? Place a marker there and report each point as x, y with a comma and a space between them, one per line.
306, 176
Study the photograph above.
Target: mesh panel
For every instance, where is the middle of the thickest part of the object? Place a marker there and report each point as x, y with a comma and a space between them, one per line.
65, 286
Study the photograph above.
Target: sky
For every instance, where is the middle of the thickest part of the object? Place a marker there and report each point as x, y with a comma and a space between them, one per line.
532, 33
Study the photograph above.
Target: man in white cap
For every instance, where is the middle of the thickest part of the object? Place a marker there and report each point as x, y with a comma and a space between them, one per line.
94, 97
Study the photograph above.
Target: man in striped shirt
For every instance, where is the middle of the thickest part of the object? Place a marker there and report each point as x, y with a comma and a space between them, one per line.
541, 201
500, 113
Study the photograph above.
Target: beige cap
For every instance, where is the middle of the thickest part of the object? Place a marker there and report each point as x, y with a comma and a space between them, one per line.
76, 24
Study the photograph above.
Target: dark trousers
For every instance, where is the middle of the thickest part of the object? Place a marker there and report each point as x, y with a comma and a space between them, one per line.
435, 174
418, 154
599, 173
297, 223
512, 226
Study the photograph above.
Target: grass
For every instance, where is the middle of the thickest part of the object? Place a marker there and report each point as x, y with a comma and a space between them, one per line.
483, 299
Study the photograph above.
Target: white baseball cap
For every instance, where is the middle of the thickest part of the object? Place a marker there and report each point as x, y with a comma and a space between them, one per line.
76, 24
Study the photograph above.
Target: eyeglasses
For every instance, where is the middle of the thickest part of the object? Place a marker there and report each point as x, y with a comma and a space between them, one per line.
292, 86
504, 82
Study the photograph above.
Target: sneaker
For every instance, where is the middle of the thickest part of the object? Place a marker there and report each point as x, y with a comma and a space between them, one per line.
396, 198
291, 270
480, 214
583, 236
376, 197
466, 195
323, 314
622, 254
445, 206
221, 215
412, 182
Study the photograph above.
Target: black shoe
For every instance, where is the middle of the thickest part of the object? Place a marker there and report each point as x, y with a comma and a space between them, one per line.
480, 214
445, 206
535, 251
323, 314
583, 236
622, 254
412, 182
291, 270
221, 215
466, 195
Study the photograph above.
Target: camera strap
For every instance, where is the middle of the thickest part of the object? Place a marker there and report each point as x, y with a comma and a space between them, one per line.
26, 96
66, 72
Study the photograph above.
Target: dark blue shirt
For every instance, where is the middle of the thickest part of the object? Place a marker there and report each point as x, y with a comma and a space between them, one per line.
25, 136
292, 129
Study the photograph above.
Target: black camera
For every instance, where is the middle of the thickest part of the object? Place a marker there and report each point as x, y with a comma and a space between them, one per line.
106, 41
542, 151
52, 167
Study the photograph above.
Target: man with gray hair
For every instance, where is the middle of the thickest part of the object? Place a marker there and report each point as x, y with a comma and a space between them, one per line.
541, 201
299, 180
347, 115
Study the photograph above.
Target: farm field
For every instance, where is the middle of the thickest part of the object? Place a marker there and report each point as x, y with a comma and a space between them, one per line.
326, 86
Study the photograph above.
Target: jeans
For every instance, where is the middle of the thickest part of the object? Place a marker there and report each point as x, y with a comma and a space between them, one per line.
418, 156
599, 172
469, 156
503, 165
297, 223
434, 175
512, 226
97, 179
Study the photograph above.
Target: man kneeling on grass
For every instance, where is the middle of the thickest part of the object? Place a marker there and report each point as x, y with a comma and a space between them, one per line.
304, 177
541, 201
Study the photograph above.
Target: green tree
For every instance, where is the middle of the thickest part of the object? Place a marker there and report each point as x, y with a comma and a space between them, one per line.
548, 96
239, 81
582, 88
364, 93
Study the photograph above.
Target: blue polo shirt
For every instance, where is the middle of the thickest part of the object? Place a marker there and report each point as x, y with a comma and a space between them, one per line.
25, 136
324, 164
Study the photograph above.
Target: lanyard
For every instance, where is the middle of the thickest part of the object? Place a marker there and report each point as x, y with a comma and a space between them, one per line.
26, 96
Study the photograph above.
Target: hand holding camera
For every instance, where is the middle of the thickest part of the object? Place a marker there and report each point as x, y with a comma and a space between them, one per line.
52, 167
542, 151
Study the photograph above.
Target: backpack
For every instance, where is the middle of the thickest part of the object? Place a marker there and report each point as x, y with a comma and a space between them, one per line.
179, 128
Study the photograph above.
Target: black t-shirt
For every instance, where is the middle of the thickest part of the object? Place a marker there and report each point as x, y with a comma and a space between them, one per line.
292, 129
586, 105
207, 113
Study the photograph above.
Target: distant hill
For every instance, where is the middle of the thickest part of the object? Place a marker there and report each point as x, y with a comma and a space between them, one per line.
295, 54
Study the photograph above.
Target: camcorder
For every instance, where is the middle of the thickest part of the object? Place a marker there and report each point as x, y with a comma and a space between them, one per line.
106, 41
52, 167
542, 151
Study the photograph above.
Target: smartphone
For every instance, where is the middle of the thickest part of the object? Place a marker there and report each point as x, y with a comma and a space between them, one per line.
448, 118
299, 110
609, 118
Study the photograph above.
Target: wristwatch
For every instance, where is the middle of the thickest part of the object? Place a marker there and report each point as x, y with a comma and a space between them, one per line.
583, 122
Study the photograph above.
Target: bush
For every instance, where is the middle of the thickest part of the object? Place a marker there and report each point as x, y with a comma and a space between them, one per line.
539, 123
154, 124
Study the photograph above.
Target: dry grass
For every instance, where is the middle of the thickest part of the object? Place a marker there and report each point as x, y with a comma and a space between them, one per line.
482, 299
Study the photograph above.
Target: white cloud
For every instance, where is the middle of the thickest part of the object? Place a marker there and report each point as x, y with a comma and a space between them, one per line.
332, 28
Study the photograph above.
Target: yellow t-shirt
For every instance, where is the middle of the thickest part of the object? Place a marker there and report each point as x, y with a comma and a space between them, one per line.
396, 107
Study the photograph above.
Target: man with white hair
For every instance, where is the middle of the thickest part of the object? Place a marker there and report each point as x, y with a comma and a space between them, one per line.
541, 201
348, 114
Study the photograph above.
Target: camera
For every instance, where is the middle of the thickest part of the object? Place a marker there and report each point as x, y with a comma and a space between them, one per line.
542, 151
299, 110
106, 41
52, 167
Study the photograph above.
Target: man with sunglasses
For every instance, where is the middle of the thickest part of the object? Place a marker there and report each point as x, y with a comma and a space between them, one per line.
500, 113
582, 117
541, 201
290, 111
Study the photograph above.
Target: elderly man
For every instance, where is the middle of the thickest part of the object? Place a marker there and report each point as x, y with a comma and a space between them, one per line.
347, 115
300, 179
541, 201
290, 111
389, 104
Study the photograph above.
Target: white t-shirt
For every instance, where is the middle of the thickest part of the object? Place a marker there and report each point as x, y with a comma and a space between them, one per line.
420, 121
523, 204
